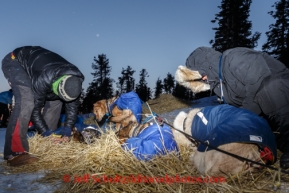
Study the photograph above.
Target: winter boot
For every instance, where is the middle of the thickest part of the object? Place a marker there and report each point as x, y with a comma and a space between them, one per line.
22, 159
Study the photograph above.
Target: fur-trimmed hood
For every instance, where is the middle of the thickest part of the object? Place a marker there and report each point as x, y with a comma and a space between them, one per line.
191, 79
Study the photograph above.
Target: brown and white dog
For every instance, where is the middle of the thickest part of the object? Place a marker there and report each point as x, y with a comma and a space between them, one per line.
213, 162
124, 119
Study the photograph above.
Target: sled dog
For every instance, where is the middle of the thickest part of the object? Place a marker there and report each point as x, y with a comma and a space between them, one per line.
213, 162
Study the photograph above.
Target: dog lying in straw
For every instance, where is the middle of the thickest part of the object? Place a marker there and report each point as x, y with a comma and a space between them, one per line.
125, 111
228, 128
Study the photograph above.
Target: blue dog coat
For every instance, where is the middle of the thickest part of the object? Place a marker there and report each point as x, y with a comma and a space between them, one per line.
154, 140
225, 124
130, 101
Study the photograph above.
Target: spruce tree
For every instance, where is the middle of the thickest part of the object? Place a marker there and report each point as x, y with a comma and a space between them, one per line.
234, 28
183, 92
101, 76
169, 83
126, 82
101, 87
278, 36
142, 88
159, 88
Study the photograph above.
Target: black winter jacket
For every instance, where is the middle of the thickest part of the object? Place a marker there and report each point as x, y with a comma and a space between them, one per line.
243, 71
44, 67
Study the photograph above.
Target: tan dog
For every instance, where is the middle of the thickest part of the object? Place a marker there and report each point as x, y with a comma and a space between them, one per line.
123, 119
100, 108
191, 79
213, 162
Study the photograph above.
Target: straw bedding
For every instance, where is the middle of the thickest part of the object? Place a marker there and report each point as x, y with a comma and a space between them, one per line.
78, 167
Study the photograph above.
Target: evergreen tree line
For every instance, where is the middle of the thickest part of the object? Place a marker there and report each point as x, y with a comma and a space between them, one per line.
102, 85
234, 30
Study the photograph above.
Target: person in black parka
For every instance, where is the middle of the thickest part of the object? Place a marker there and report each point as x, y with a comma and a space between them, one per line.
41, 81
252, 80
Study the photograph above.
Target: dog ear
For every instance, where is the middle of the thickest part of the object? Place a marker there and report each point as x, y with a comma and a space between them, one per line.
190, 79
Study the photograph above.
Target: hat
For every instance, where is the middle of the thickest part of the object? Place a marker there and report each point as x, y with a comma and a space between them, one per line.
69, 87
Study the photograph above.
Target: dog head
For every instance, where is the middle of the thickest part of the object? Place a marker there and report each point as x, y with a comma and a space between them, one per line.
191, 79
100, 109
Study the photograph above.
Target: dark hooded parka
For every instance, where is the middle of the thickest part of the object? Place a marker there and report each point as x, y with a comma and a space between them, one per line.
44, 67
31, 72
243, 72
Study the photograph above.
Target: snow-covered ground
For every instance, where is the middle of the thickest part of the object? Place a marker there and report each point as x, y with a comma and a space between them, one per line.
10, 183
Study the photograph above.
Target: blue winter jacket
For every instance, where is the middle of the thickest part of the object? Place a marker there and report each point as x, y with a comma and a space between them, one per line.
225, 124
6, 97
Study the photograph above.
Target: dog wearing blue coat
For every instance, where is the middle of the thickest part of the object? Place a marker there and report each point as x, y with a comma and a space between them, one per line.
125, 111
228, 128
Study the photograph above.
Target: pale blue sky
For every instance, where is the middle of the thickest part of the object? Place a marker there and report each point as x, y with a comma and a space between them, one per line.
157, 35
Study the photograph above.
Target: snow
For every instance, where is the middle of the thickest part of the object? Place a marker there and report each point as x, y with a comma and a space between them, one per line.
10, 183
